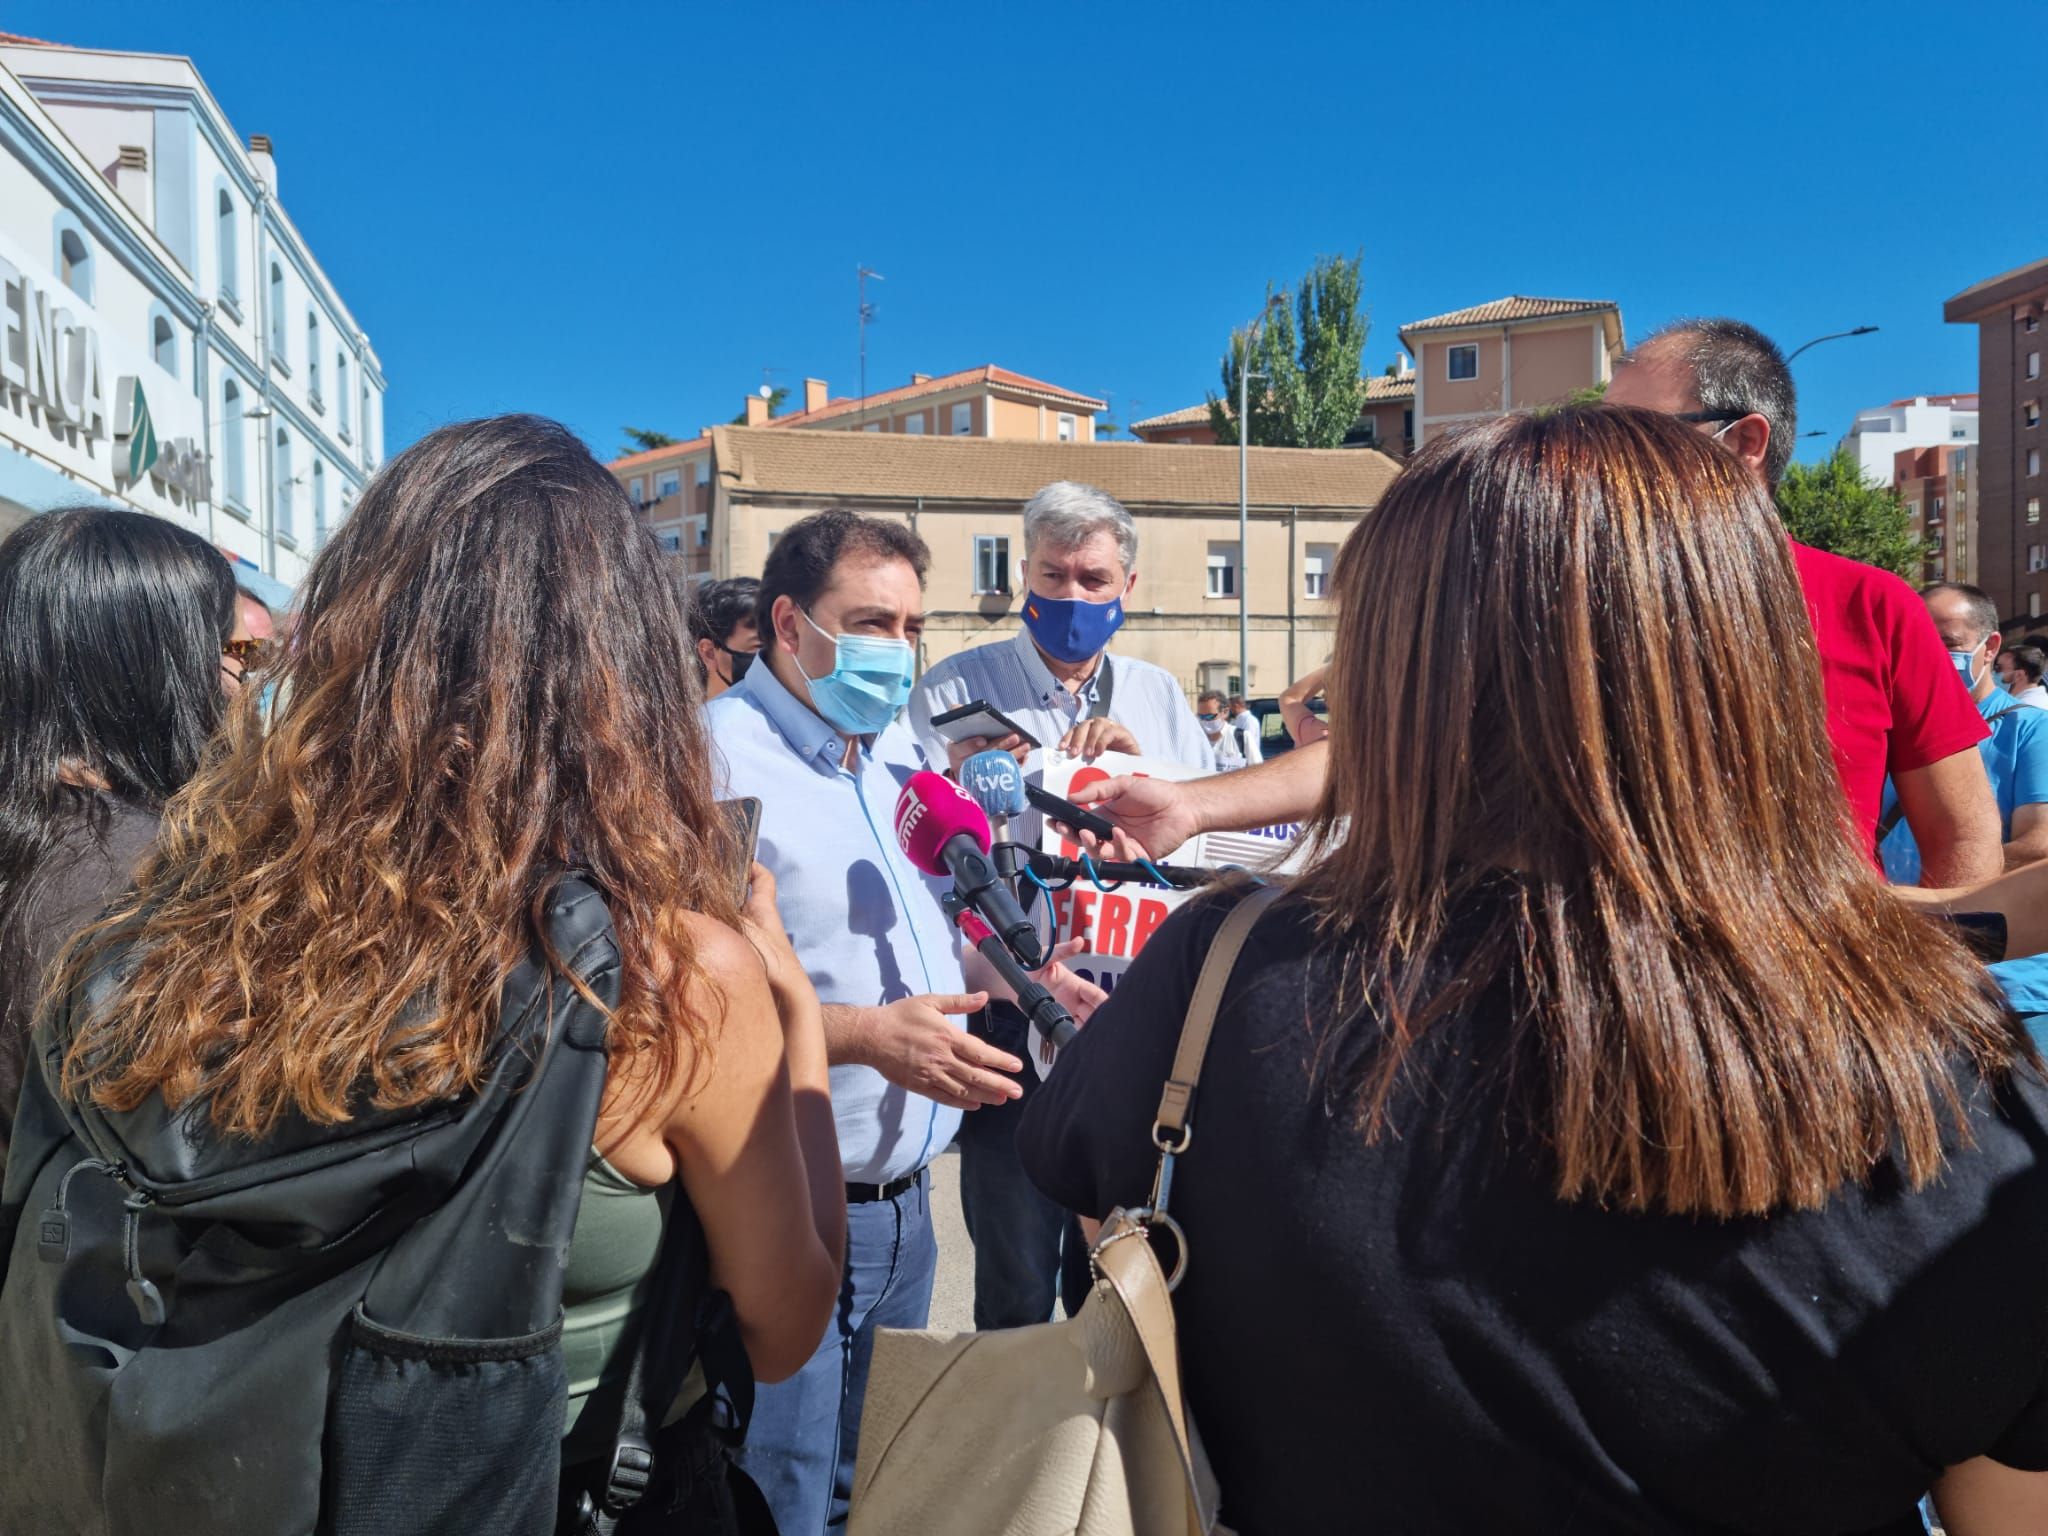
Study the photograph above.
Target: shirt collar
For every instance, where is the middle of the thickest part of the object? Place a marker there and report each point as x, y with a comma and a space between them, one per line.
809, 737
1051, 689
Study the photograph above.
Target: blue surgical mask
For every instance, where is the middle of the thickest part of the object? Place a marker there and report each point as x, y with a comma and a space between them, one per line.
1070, 630
869, 681
1962, 661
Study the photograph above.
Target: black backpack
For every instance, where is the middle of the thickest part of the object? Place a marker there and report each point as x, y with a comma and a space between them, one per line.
350, 1330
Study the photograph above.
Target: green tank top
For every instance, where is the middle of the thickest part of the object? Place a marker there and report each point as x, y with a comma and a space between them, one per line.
609, 1277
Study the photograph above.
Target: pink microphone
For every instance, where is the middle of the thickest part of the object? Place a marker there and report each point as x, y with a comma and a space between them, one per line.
943, 832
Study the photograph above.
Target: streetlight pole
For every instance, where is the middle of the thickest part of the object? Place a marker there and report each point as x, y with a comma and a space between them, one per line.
1244, 503
1861, 330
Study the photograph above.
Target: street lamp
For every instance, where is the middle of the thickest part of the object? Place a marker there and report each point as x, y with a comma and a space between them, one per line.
1861, 330
1244, 504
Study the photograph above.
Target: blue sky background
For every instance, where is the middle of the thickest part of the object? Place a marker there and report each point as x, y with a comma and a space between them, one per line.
624, 213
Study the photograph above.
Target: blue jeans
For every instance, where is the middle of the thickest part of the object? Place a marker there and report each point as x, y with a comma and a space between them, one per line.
1026, 1248
805, 1431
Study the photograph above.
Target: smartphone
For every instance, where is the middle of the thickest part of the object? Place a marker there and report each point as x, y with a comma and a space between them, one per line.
743, 816
979, 718
1068, 814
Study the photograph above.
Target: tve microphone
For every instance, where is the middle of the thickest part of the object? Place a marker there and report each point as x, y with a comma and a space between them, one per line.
943, 832
997, 785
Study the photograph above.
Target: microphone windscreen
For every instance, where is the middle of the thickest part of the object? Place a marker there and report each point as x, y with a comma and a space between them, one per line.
930, 813
996, 783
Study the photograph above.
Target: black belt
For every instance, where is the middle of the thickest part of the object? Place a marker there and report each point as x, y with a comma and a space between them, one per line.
868, 1194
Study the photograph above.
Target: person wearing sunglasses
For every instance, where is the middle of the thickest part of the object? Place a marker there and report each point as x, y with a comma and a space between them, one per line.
116, 656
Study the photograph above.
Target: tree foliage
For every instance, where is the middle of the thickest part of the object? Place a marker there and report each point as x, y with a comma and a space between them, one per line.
640, 439
1832, 507
1311, 393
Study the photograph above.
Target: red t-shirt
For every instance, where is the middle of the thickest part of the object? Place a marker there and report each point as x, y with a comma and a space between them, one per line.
1895, 700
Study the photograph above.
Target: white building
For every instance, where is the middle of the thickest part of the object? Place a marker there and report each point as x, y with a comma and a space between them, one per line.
1925, 421
167, 341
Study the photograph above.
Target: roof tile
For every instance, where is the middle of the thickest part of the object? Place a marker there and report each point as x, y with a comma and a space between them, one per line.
1514, 307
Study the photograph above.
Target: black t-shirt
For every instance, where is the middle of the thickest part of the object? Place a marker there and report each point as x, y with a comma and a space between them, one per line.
1417, 1336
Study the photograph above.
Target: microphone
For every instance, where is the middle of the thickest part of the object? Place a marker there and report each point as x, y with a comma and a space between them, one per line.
1038, 1005
943, 832
997, 785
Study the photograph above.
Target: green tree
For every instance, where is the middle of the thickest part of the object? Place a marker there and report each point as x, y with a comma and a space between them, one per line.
640, 439
775, 398
1831, 506
1310, 355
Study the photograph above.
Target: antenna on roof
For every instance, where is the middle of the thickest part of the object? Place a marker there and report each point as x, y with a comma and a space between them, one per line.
867, 313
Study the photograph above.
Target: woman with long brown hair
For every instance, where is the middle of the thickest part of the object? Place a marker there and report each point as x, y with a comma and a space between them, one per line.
1588, 1140
487, 693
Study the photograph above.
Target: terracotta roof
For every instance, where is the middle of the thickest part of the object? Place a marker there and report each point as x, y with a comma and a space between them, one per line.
988, 374
679, 450
17, 40
1514, 307
759, 461
1379, 390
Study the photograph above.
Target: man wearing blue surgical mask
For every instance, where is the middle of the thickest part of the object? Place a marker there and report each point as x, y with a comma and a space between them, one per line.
1057, 678
2015, 754
812, 731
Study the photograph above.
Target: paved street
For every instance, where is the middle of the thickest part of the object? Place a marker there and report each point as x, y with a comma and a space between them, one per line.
953, 1293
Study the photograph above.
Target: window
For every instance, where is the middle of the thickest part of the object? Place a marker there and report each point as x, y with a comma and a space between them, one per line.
2037, 557
1462, 362
74, 255
319, 505
163, 343
667, 483
1222, 568
700, 532
232, 430
341, 392
670, 541
1067, 428
2033, 461
2033, 605
637, 489
872, 426
963, 419
2033, 509
2030, 323
1321, 560
1940, 505
914, 425
703, 471
229, 242
2033, 363
991, 566
281, 472
313, 361
1408, 424
2030, 413
277, 342
1368, 430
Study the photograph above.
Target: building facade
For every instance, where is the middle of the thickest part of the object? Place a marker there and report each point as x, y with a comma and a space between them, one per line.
170, 342
672, 485
1881, 435
2008, 489
1386, 419
965, 497
1933, 484
1508, 355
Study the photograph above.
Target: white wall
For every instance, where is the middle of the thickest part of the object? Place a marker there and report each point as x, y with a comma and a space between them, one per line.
1888, 430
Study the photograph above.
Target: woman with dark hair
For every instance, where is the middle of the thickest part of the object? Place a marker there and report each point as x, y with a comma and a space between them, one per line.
487, 694
113, 626
1588, 1140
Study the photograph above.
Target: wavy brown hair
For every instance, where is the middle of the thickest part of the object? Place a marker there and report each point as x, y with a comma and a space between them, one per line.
489, 681
1574, 688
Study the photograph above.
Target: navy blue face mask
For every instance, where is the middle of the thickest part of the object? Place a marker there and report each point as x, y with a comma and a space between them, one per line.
1070, 630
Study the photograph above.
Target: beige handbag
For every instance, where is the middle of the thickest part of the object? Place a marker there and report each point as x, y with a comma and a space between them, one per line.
1072, 1427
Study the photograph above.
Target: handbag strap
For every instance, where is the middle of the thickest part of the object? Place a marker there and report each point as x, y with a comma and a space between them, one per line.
1176, 1102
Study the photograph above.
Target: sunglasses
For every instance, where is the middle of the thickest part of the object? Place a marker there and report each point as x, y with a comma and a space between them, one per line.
1703, 416
250, 653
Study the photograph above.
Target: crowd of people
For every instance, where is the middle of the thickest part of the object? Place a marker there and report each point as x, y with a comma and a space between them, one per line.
426, 1105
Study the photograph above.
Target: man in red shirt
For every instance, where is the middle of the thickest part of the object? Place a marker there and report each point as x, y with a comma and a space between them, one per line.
1896, 705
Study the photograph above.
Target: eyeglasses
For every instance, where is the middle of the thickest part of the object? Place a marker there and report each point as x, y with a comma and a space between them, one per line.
250, 653
1703, 416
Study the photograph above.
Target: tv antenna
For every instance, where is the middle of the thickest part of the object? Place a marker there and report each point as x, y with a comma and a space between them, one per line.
867, 315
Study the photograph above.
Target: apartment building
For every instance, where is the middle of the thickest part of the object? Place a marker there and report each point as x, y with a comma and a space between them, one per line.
1880, 435
672, 485
171, 344
965, 497
1507, 355
1934, 484
2008, 486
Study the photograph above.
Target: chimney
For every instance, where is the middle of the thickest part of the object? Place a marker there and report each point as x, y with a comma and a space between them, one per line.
265, 160
1405, 369
130, 176
920, 378
757, 411
815, 394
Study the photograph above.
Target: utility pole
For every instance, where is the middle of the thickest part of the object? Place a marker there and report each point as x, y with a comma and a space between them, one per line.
1244, 504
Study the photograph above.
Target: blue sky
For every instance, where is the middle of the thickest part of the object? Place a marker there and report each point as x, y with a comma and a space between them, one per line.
625, 213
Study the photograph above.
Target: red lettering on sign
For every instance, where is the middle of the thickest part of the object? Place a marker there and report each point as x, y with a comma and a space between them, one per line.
1059, 911
1150, 915
1113, 933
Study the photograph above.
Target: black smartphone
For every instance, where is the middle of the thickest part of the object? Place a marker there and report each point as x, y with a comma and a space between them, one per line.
1068, 814
743, 816
979, 718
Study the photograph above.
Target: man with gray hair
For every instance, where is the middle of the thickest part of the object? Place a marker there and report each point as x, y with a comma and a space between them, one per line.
1056, 679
